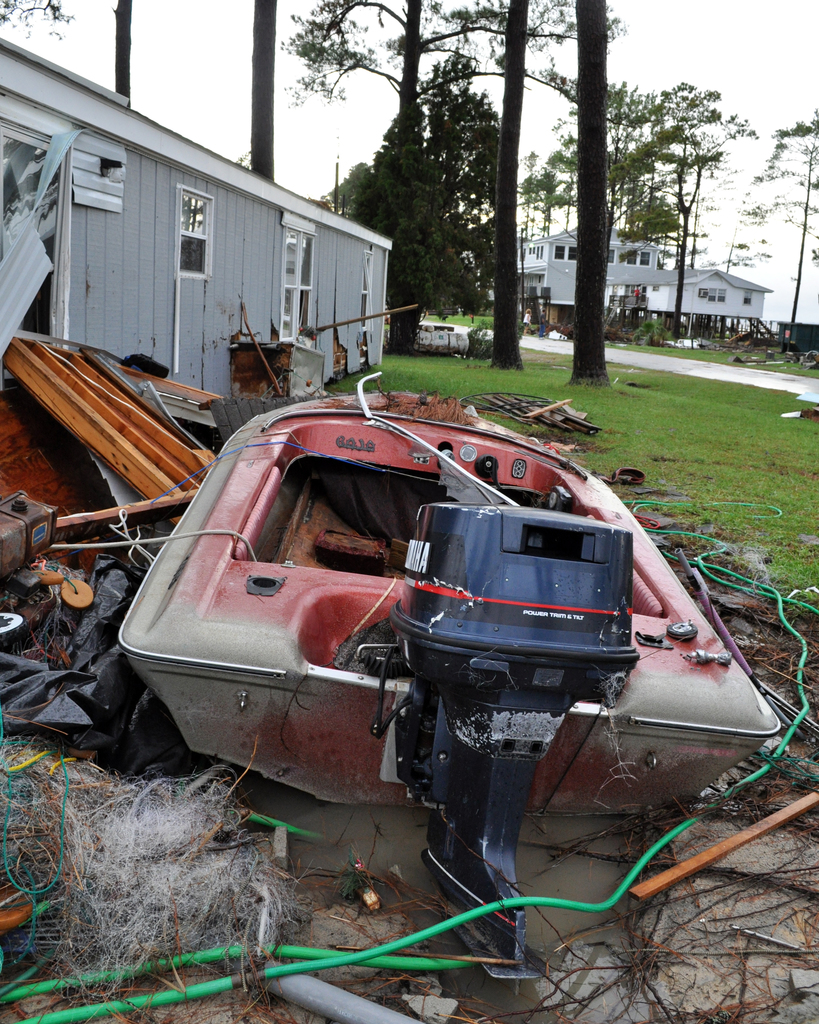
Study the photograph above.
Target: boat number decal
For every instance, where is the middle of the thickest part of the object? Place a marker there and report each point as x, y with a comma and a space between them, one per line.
417, 556
519, 469
350, 442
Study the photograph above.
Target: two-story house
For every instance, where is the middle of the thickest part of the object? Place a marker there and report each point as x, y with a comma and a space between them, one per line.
635, 287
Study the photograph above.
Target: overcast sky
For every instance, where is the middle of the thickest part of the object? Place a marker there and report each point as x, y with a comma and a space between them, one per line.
191, 72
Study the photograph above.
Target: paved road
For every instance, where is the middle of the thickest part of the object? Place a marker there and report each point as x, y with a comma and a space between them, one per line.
732, 373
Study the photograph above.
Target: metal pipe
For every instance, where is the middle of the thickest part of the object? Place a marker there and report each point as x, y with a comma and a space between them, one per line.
332, 1002
368, 316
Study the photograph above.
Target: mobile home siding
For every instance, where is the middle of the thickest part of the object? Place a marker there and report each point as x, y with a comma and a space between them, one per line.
123, 276
118, 266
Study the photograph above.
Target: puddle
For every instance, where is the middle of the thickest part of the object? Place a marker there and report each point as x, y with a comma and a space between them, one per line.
575, 945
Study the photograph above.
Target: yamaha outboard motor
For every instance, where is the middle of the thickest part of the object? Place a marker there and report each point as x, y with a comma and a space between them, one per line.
508, 616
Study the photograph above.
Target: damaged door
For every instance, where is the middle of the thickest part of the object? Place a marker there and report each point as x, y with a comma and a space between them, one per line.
29, 241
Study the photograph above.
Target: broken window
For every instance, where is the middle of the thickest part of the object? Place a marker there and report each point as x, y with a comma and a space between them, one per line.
298, 282
23, 160
195, 231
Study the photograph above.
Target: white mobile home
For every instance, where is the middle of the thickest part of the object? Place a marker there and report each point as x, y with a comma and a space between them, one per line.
120, 234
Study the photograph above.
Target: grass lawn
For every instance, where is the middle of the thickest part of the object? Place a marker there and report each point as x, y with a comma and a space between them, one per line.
710, 441
703, 354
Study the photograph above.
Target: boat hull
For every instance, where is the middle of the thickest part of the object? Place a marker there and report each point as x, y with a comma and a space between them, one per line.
250, 679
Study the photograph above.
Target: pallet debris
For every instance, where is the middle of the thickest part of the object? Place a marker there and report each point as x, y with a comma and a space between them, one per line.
531, 409
153, 456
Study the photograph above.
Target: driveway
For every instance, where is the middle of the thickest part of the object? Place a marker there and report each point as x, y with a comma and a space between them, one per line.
731, 373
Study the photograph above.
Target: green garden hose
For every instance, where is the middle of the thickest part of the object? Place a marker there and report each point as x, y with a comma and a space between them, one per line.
326, 960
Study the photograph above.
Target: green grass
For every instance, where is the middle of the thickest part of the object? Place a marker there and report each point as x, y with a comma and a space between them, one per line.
712, 442
705, 355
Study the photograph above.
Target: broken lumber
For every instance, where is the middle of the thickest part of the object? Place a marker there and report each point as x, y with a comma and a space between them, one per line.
124, 432
701, 860
87, 525
547, 408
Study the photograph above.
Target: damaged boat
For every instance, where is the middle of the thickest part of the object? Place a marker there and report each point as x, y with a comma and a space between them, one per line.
365, 603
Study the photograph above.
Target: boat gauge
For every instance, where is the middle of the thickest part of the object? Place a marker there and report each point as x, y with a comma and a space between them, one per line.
468, 453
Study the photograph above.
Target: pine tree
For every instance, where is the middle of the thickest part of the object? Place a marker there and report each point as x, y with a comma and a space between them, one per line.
431, 189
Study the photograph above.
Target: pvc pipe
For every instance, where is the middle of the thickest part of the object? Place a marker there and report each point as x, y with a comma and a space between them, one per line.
331, 1001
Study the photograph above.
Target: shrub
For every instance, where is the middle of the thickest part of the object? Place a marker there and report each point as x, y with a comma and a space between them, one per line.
480, 340
652, 332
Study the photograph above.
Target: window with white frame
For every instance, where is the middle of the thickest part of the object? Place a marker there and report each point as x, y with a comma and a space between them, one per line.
572, 254
747, 297
611, 255
195, 233
645, 258
560, 252
297, 286
716, 294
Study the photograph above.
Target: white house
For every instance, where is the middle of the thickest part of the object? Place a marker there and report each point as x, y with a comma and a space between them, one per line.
634, 281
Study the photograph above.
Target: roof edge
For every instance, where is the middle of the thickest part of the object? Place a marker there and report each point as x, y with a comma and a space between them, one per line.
98, 109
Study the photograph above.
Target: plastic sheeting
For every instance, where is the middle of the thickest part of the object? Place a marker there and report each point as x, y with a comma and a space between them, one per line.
98, 703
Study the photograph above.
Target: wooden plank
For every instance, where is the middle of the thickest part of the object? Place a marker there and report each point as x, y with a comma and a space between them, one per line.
692, 865
85, 525
139, 412
172, 387
39, 456
548, 408
82, 421
151, 446
109, 378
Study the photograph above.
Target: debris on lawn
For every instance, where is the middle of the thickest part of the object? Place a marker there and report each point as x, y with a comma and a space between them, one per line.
532, 410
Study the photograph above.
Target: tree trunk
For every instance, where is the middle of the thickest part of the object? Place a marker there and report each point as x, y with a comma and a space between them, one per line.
589, 366
261, 102
802, 245
403, 329
122, 56
686, 214
506, 346
408, 91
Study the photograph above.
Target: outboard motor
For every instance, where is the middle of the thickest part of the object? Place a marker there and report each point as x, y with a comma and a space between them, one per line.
508, 616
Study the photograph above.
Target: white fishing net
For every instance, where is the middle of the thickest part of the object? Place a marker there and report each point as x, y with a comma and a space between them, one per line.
150, 869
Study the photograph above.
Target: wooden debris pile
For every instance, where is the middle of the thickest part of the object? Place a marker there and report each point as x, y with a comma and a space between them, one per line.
112, 415
611, 332
533, 410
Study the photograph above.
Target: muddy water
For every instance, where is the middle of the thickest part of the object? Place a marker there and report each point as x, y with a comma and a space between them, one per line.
388, 836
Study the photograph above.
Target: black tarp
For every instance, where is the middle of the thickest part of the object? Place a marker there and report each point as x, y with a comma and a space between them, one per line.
98, 703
